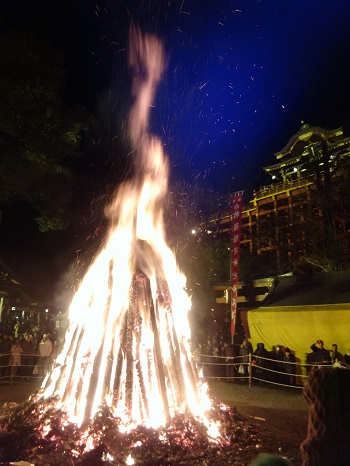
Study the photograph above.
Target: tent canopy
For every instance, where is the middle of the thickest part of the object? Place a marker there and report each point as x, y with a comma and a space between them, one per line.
298, 327
302, 309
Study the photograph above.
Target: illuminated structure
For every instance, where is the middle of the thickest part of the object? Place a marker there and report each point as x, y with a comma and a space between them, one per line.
285, 220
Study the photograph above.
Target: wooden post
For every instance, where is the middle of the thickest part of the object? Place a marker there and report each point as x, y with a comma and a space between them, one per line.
250, 369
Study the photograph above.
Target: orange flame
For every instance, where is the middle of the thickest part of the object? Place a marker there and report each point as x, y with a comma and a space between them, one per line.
127, 344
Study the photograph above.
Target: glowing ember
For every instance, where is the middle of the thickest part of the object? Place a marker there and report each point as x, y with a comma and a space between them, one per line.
127, 345
129, 460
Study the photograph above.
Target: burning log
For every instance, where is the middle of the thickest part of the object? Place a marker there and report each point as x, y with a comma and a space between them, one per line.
157, 352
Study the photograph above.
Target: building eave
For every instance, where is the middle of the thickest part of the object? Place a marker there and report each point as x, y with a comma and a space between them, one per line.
304, 133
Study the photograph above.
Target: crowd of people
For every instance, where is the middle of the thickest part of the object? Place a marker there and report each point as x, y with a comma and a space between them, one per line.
219, 359
320, 355
27, 354
33, 352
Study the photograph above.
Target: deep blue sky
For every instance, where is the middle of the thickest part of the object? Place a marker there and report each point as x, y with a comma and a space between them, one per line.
245, 74
241, 76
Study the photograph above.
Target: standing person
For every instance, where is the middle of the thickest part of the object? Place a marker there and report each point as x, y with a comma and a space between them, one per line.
208, 351
36, 340
221, 366
229, 352
28, 355
277, 365
5, 352
222, 344
16, 351
245, 350
197, 356
347, 357
216, 361
321, 355
55, 351
45, 349
336, 357
290, 367
262, 361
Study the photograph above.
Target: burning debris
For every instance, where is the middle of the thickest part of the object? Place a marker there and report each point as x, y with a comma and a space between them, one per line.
39, 433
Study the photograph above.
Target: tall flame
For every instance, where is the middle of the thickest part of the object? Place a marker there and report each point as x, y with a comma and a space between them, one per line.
127, 344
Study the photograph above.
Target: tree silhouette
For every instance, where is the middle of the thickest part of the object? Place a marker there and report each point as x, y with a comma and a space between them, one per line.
39, 133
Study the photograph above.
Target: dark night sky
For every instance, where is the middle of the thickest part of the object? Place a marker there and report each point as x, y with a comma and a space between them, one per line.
241, 75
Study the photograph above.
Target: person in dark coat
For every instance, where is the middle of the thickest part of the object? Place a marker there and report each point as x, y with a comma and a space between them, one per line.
336, 356
290, 367
262, 357
277, 365
321, 355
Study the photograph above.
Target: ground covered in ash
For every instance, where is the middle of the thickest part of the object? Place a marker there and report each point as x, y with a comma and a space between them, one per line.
38, 433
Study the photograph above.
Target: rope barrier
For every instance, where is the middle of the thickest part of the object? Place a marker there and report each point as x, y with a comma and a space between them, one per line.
208, 366
35, 369
268, 375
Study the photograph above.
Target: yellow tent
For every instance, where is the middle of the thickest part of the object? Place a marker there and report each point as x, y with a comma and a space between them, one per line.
299, 326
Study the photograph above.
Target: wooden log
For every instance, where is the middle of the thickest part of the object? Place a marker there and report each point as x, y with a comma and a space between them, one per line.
157, 352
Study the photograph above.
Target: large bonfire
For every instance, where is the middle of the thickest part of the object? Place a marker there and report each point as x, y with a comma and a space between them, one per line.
127, 345
124, 389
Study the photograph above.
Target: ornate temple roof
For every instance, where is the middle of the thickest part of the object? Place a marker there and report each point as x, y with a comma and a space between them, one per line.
305, 135
294, 149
